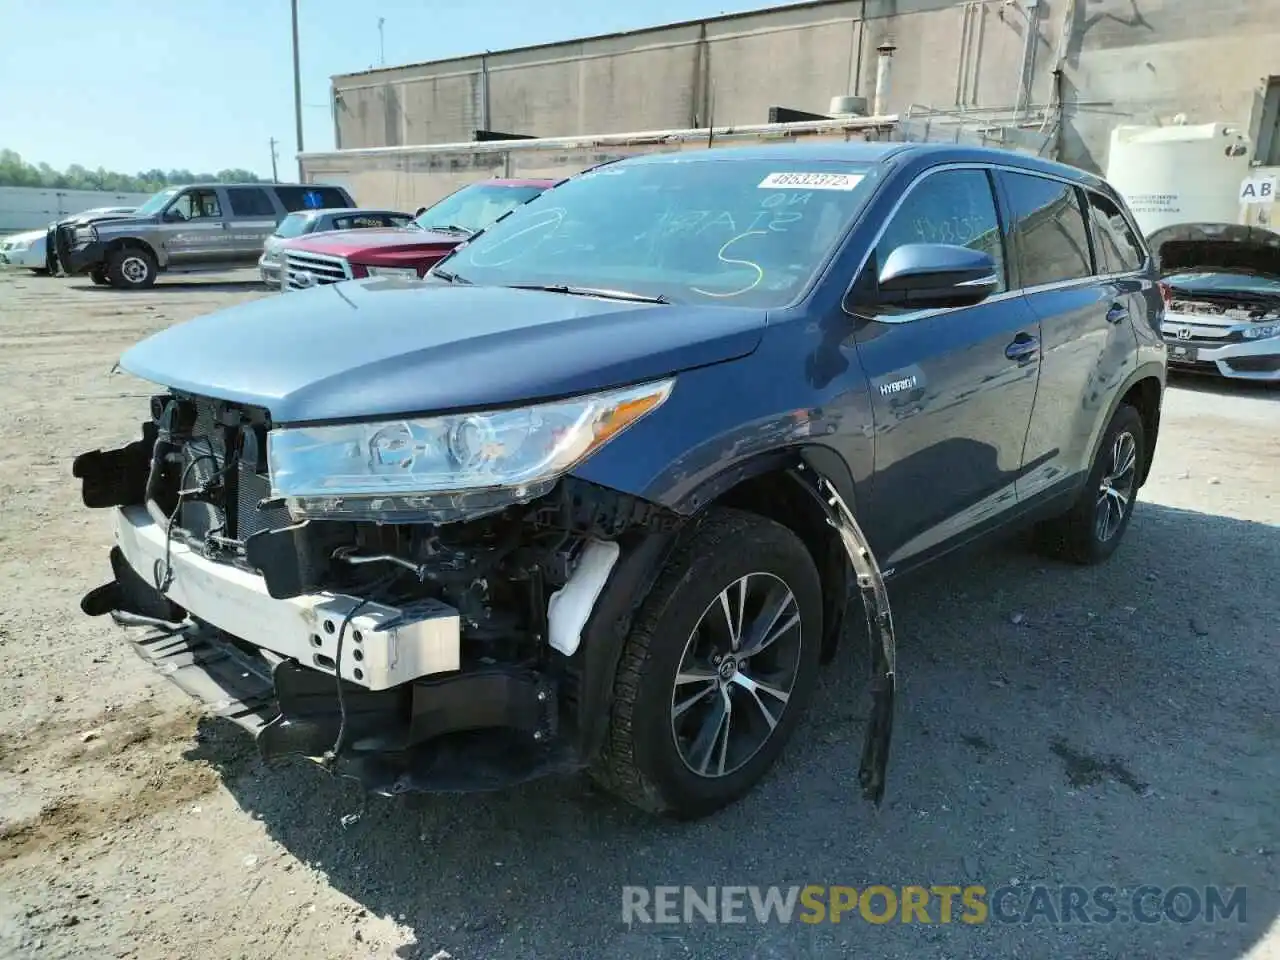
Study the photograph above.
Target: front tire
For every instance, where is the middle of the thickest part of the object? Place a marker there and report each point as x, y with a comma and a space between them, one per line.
717, 670
99, 276
131, 268
1092, 529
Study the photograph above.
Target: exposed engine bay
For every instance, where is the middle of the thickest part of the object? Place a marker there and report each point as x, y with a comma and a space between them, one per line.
1229, 308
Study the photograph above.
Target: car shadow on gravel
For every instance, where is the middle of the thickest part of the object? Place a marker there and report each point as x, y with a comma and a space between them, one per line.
168, 286
1057, 726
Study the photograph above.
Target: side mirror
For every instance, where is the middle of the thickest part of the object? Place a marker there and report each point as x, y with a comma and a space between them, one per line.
920, 276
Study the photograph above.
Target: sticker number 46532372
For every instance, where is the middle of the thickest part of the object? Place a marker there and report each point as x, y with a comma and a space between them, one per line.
810, 181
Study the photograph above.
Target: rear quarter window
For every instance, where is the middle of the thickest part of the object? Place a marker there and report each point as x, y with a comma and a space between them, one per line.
311, 198
1118, 247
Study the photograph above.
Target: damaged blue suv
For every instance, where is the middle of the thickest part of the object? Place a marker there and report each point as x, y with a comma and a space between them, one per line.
597, 494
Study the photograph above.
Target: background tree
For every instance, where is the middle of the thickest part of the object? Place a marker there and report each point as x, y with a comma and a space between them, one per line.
16, 172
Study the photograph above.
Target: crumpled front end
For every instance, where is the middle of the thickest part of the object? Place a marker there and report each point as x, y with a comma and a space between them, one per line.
414, 656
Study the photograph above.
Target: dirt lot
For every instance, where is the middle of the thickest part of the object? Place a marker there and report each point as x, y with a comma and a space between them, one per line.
1057, 726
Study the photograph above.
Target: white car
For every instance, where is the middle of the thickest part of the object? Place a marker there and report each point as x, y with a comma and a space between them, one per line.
1222, 299
24, 250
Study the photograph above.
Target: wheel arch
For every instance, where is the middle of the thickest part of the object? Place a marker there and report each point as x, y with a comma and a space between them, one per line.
122, 243
764, 485
1143, 390
767, 486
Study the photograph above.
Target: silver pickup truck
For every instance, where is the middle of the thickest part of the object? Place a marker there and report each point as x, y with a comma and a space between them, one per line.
197, 228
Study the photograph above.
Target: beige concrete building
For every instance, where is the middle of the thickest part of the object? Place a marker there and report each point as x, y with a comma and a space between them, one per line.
1069, 69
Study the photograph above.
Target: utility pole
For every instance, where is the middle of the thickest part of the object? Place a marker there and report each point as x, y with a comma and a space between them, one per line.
275, 176
297, 86
382, 49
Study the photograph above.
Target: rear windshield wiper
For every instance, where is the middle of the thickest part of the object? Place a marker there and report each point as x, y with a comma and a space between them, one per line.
590, 292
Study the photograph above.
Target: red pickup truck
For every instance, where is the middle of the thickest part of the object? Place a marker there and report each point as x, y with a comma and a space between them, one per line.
410, 251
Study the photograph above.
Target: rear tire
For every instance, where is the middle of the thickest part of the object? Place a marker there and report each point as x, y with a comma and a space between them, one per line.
40, 271
131, 268
99, 276
1085, 534
669, 749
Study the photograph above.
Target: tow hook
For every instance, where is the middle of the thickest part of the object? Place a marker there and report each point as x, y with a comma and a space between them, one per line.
873, 770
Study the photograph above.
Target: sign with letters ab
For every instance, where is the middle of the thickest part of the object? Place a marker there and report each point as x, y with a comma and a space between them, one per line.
1258, 190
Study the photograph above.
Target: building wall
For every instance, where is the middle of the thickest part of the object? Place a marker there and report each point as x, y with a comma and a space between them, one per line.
1123, 61
30, 208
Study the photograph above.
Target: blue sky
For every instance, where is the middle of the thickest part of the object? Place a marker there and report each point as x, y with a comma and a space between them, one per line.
204, 84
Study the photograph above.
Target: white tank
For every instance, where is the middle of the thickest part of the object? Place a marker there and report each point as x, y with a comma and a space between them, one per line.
1186, 173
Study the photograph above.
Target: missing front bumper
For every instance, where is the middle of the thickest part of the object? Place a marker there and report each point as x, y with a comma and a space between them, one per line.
478, 729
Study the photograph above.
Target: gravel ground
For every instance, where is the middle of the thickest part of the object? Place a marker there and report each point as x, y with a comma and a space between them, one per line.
1056, 726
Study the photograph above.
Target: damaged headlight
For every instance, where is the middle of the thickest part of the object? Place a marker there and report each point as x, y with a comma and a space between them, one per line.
410, 469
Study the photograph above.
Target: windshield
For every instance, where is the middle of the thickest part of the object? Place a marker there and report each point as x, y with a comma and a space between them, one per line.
1226, 282
157, 203
475, 207
734, 232
294, 225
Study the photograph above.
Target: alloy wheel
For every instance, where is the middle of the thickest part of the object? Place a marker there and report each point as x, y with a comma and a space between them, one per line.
134, 269
1115, 492
736, 674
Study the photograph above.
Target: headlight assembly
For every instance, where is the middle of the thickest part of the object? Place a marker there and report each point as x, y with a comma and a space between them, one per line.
436, 468
1262, 331
86, 234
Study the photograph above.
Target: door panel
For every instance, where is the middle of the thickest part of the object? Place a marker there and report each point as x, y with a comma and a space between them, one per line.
201, 235
951, 391
1087, 340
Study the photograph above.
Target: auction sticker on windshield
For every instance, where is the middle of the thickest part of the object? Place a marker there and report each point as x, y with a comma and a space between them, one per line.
810, 181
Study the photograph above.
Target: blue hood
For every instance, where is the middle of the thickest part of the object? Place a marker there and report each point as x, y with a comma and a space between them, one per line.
384, 347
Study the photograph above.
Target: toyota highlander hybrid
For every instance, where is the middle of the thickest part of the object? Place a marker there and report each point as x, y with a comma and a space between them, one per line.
595, 495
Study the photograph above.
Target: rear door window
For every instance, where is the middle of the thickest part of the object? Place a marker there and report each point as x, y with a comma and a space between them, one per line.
310, 198
250, 202
1049, 225
950, 206
1117, 246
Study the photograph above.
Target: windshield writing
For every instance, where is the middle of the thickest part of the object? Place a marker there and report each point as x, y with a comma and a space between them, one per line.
738, 232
